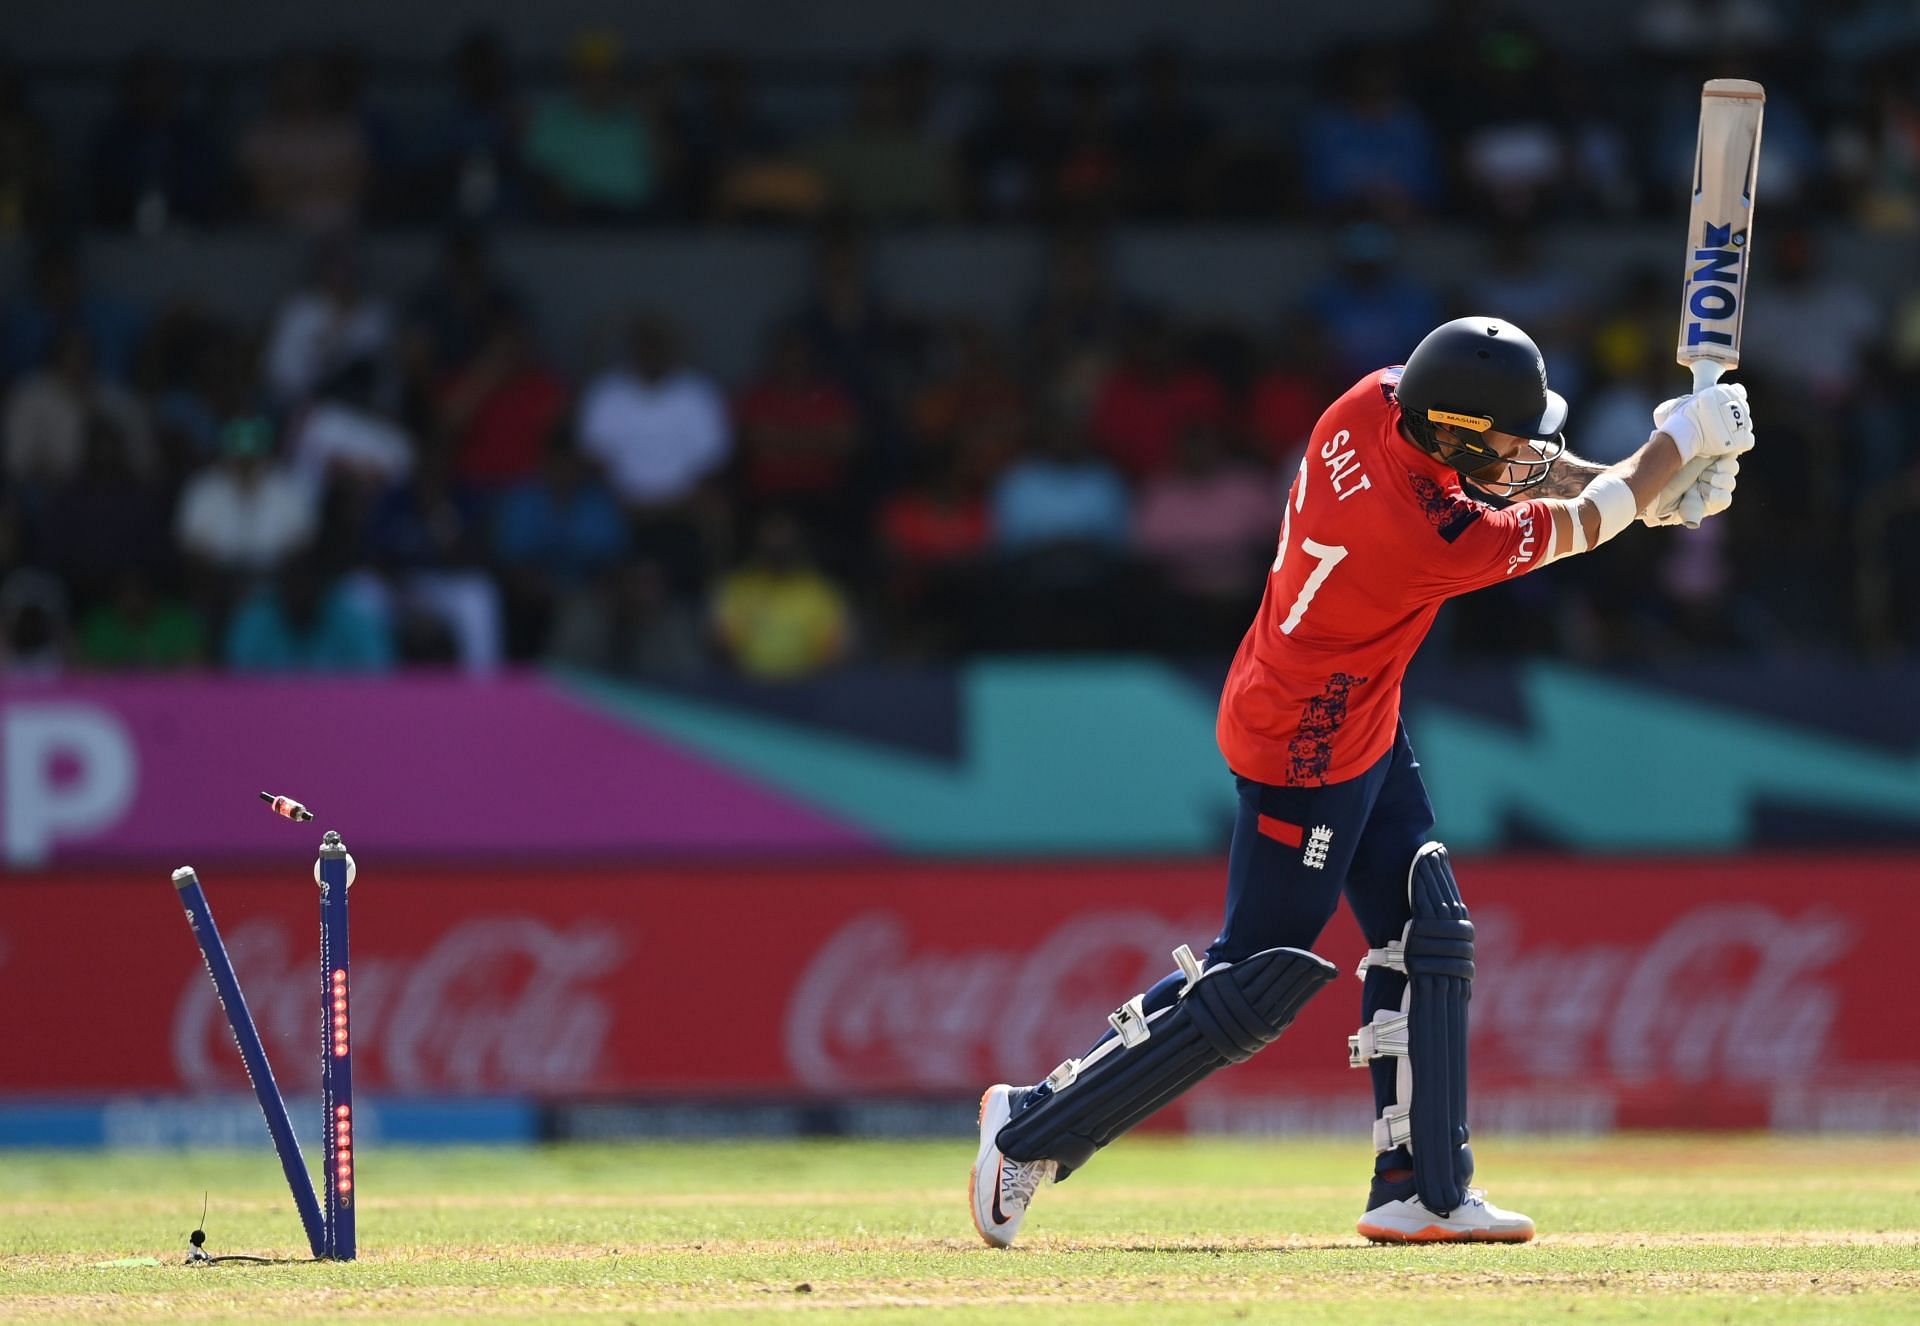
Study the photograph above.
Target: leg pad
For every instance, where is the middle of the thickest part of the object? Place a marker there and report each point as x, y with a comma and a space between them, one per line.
1224, 1017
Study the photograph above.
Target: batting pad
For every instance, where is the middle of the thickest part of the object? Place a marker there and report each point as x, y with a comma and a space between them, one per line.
1224, 1017
1439, 958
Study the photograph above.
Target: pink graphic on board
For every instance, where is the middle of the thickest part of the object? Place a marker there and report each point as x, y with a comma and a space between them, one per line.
146, 769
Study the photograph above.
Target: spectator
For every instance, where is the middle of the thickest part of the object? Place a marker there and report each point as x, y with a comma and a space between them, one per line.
1550, 299
247, 513
393, 194
930, 102
1207, 527
36, 636
1813, 328
1502, 106
1631, 378
344, 438
971, 397
499, 410
1883, 153
154, 164
593, 148
1150, 399
1553, 300
50, 414
1369, 147
307, 160
1089, 173
1465, 46
858, 339
777, 618
1063, 495
932, 542
799, 434
454, 311
562, 523
1605, 174
882, 167
428, 536
138, 628
1638, 306
106, 517
634, 625
1061, 523
29, 181
299, 623
1078, 316
329, 323
1374, 313
1288, 396
736, 159
1887, 534
555, 534
1011, 149
1168, 142
58, 297
201, 371
659, 426
478, 155
1680, 29
1516, 168
939, 520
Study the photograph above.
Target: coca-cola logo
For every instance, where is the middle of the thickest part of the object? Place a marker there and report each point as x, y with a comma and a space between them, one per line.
869, 1011
496, 1003
1735, 992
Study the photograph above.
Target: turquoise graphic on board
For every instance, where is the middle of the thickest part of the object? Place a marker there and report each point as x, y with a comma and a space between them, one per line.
1117, 756
1609, 765
1089, 757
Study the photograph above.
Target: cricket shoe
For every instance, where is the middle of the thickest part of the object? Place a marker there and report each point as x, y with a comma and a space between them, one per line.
1002, 1188
1475, 1220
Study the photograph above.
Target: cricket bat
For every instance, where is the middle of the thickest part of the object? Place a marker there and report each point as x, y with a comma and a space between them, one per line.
1713, 291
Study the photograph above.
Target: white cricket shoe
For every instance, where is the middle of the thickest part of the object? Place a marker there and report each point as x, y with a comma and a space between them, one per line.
1476, 1220
1002, 1189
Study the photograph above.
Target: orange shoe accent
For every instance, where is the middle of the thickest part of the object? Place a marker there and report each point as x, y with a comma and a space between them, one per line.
1441, 1234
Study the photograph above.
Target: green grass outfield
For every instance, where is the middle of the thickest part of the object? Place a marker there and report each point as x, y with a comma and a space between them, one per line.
1668, 1229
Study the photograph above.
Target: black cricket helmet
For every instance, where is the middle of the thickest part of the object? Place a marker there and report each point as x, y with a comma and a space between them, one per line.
1473, 375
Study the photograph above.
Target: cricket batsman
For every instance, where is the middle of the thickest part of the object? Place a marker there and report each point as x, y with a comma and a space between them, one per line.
1422, 482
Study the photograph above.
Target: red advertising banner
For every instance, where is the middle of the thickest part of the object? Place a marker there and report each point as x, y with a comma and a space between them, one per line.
1651, 993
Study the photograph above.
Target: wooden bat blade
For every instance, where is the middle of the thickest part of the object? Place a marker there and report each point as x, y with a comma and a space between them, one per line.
1720, 226
1713, 287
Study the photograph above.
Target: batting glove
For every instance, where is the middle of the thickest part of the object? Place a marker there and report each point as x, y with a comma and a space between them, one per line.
1708, 495
1714, 422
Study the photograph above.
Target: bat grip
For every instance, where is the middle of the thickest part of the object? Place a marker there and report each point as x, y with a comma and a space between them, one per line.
1706, 372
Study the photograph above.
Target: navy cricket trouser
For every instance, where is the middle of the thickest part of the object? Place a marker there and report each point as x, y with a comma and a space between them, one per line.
1281, 892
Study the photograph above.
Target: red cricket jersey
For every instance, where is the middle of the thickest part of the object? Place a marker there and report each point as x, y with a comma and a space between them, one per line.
1377, 535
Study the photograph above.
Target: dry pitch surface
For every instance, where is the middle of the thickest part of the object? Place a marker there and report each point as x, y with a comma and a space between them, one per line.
1676, 1229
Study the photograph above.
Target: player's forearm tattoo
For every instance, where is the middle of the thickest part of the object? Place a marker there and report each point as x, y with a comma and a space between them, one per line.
1568, 477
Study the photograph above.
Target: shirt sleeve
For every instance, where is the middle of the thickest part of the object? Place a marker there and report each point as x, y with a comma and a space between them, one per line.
1478, 545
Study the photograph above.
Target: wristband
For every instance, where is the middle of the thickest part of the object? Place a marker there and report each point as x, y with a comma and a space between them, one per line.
1615, 502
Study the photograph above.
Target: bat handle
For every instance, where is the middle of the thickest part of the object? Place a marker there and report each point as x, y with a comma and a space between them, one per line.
1706, 372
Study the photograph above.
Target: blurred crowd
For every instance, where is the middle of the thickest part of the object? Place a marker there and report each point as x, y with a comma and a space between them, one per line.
1478, 113
372, 477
